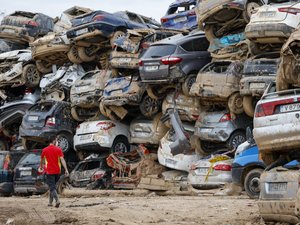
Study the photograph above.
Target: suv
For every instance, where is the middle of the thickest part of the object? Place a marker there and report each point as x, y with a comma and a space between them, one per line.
97, 29
178, 58
181, 15
25, 27
45, 119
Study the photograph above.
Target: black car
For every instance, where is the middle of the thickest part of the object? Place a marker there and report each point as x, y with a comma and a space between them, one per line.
177, 58
8, 161
46, 119
25, 27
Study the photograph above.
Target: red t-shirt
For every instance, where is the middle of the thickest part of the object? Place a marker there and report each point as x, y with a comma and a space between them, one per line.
52, 155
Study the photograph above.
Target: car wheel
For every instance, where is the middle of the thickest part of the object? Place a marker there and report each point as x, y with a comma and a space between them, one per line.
237, 138
248, 105
4, 145
152, 92
65, 142
235, 103
75, 114
120, 144
187, 84
73, 55
252, 184
87, 54
250, 8
149, 106
31, 75
43, 66
281, 84
115, 36
209, 32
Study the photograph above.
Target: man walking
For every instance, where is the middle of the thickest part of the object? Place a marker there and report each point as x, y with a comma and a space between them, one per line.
51, 159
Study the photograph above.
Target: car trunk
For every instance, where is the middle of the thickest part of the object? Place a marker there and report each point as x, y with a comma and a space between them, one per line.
18, 19
90, 127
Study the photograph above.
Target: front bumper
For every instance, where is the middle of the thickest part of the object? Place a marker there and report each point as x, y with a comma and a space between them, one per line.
124, 60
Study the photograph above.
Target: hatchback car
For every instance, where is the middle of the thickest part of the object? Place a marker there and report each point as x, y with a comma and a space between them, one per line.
86, 92
217, 129
172, 60
101, 135
219, 83
180, 15
273, 23
24, 27
46, 119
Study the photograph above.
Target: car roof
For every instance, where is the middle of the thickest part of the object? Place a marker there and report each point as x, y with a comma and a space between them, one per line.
181, 2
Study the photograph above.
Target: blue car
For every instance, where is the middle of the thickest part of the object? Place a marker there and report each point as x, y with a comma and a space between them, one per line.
247, 168
181, 15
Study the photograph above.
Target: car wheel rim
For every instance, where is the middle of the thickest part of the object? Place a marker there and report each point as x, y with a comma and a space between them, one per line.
237, 140
32, 75
120, 147
251, 8
63, 143
191, 82
150, 105
254, 185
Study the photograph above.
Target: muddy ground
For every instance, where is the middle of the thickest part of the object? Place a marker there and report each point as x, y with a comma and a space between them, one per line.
131, 208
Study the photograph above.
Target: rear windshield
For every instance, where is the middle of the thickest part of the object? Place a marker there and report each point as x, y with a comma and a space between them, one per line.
181, 8
32, 158
260, 67
43, 107
158, 51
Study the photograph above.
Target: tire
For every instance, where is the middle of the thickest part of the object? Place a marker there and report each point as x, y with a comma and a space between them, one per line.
87, 54
187, 84
65, 142
235, 103
4, 145
41, 66
115, 36
73, 55
209, 32
120, 144
75, 114
31, 75
281, 84
251, 183
154, 94
237, 138
250, 9
248, 105
149, 106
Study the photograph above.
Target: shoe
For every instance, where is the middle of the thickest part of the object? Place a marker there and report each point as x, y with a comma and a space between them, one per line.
57, 204
50, 205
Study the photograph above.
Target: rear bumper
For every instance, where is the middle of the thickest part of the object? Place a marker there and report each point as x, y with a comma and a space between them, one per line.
20, 188
215, 133
200, 181
249, 85
94, 143
37, 135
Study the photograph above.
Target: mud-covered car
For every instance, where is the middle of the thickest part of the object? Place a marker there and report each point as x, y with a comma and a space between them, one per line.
171, 60
86, 92
99, 29
180, 15
188, 108
219, 83
216, 129
101, 135
279, 201
257, 74
25, 27
148, 132
56, 85
129, 91
46, 119
129, 48
17, 68
7, 46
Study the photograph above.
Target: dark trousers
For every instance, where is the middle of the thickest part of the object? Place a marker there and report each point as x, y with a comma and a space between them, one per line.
51, 181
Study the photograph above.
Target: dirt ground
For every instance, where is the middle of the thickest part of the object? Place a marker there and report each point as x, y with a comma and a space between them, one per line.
131, 208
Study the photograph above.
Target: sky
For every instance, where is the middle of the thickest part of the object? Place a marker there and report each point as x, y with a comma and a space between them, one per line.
151, 8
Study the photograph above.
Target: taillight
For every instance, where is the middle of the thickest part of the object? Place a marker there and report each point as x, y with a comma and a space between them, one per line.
290, 10
163, 20
141, 63
266, 109
195, 116
98, 17
225, 117
31, 23
97, 175
105, 125
171, 60
50, 122
28, 91
223, 167
192, 13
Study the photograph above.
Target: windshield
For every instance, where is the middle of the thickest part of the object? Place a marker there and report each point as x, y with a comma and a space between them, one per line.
30, 159
260, 67
157, 51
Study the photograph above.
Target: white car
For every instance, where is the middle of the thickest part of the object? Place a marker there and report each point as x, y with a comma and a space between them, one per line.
212, 172
273, 23
100, 135
179, 161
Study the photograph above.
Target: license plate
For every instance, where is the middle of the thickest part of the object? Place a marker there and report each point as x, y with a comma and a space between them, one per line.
151, 68
33, 118
124, 60
276, 187
170, 162
267, 14
202, 170
82, 31
290, 107
257, 85
25, 173
85, 137
180, 19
